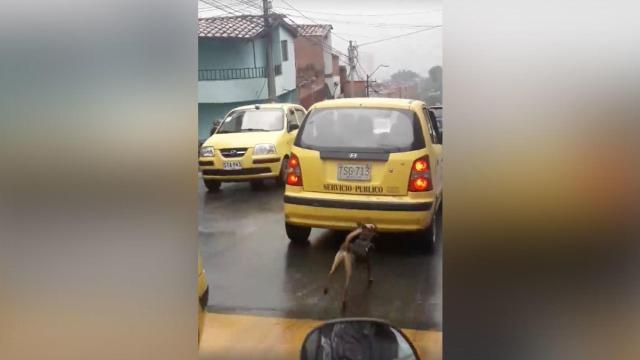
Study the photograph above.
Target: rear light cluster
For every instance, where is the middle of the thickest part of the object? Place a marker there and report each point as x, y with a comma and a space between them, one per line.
420, 179
294, 174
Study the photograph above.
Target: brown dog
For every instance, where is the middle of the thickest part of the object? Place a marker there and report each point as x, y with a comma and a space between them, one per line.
351, 251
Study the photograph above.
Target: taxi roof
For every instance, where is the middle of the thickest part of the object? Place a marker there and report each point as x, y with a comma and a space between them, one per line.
393, 103
266, 106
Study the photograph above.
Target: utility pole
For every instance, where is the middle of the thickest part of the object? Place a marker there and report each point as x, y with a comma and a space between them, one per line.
271, 76
367, 85
352, 53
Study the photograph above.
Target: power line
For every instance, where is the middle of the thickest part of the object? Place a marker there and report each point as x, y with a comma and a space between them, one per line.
241, 6
373, 15
211, 8
250, 4
310, 19
401, 35
235, 12
222, 7
324, 46
377, 24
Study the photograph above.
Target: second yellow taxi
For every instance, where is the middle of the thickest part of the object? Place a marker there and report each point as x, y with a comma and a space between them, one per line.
251, 144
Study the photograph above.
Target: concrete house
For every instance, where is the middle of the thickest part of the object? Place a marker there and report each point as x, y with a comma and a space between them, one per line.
232, 65
316, 65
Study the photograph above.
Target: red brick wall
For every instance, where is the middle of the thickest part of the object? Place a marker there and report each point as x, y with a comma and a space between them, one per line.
355, 88
309, 64
309, 54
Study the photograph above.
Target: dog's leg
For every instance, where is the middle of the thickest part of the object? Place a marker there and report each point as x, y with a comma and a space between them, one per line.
336, 261
348, 269
369, 270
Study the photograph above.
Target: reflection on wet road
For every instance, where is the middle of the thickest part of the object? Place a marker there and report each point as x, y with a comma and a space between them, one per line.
253, 269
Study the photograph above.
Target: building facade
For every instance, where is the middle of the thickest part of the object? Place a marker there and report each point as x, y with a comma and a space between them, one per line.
316, 65
395, 89
232, 65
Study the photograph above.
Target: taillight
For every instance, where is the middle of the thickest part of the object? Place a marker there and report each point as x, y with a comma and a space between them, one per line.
420, 179
294, 174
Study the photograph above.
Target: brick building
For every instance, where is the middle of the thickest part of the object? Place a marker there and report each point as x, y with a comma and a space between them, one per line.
317, 68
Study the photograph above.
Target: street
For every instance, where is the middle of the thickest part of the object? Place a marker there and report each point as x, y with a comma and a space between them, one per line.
252, 268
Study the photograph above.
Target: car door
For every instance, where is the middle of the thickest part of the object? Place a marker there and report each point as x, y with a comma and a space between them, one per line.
435, 151
300, 114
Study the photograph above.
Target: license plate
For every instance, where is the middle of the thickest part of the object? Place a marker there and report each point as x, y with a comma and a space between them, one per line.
360, 172
231, 165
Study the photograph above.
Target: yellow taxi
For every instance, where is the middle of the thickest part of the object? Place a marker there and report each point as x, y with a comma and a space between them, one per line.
368, 160
251, 144
203, 297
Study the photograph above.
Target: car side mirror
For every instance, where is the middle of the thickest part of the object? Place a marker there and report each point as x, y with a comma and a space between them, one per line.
357, 339
293, 127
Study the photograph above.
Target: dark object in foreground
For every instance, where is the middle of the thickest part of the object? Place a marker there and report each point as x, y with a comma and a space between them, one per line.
362, 339
351, 251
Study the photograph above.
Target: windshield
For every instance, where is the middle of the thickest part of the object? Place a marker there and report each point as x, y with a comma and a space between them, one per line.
252, 120
363, 129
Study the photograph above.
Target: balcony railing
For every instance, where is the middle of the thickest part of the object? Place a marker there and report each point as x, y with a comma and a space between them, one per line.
231, 74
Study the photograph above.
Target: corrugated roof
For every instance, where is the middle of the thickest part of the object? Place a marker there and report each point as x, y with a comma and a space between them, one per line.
236, 27
313, 29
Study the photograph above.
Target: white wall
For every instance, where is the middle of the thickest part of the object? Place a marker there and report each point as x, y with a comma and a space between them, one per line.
224, 91
328, 59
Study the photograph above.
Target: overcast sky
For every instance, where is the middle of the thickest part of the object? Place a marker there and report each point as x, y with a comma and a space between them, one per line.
366, 21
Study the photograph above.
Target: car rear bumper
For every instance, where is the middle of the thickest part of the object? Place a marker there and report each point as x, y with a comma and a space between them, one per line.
388, 215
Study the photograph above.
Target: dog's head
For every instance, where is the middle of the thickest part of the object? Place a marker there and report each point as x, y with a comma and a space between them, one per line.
368, 228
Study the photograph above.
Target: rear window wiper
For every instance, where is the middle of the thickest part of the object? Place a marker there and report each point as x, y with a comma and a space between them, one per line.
253, 130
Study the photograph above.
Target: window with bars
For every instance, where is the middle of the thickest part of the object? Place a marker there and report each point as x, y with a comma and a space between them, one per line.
285, 50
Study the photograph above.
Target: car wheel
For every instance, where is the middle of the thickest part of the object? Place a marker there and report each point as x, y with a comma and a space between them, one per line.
282, 178
428, 237
212, 185
297, 234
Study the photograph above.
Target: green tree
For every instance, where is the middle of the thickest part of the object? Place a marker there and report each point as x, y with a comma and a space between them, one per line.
405, 76
431, 87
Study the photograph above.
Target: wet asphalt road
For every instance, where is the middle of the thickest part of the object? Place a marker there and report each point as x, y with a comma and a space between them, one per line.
252, 268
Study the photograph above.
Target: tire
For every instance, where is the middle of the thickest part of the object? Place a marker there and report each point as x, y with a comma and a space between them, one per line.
212, 185
428, 238
297, 234
282, 178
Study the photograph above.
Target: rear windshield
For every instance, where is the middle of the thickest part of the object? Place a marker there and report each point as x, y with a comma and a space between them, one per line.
252, 120
361, 129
